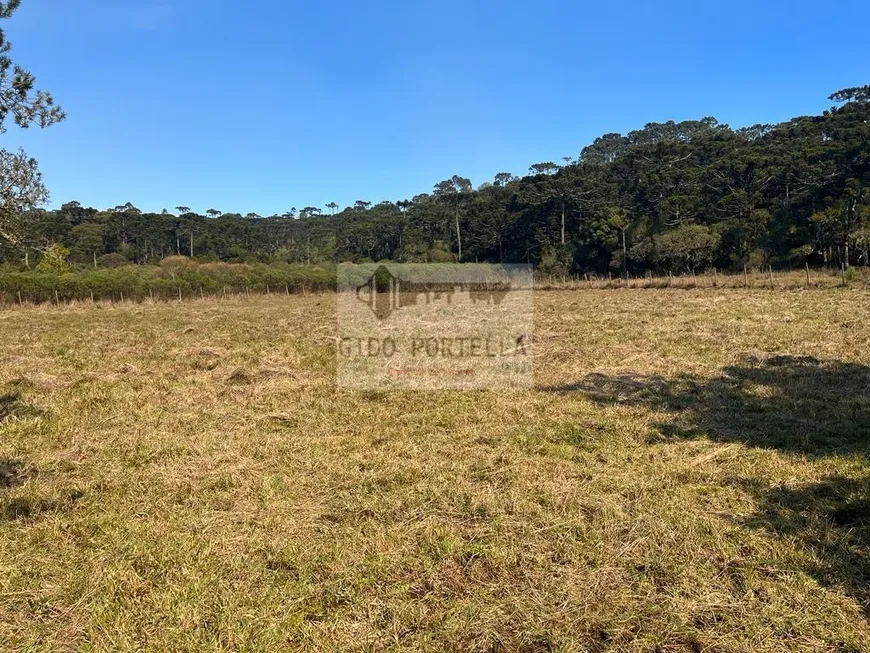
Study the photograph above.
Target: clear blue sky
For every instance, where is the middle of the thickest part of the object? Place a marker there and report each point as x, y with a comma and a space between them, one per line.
267, 104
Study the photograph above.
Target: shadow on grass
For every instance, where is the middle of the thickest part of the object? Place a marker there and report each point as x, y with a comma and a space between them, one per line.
17, 473
795, 404
832, 518
11, 405
29, 508
792, 403
13, 473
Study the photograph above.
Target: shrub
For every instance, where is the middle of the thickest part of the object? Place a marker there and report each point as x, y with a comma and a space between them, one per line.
687, 247
853, 274
54, 259
140, 282
113, 260
173, 266
555, 261
758, 259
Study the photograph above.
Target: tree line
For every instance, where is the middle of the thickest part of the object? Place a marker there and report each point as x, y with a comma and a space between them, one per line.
669, 197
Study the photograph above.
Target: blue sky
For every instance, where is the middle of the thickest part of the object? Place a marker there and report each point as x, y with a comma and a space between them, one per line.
267, 104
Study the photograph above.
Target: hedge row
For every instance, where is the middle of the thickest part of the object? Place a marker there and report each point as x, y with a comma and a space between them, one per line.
164, 282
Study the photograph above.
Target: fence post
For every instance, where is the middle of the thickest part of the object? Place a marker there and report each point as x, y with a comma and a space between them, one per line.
808, 273
201, 294
844, 275
19, 298
715, 278
179, 293
745, 276
770, 275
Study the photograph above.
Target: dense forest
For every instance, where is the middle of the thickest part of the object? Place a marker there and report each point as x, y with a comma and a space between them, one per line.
668, 197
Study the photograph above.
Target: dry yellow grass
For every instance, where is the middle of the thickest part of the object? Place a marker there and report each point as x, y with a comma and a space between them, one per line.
690, 474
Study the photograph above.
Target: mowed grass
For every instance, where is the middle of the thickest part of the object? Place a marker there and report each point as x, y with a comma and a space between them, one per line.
689, 474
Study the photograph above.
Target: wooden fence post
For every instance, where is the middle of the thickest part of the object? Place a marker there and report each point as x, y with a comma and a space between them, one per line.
745, 276
808, 274
770, 275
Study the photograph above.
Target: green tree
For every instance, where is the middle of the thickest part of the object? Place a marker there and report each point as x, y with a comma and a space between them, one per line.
21, 190
449, 192
855, 94
687, 247
544, 168
503, 179
309, 211
618, 218
88, 239
54, 259
18, 96
21, 187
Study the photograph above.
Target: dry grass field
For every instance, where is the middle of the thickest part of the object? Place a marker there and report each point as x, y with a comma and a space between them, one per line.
689, 474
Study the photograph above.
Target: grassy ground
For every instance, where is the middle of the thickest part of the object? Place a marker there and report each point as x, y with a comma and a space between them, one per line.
690, 474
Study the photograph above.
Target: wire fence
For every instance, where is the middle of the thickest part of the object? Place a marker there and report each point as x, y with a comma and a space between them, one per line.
28, 289
806, 279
